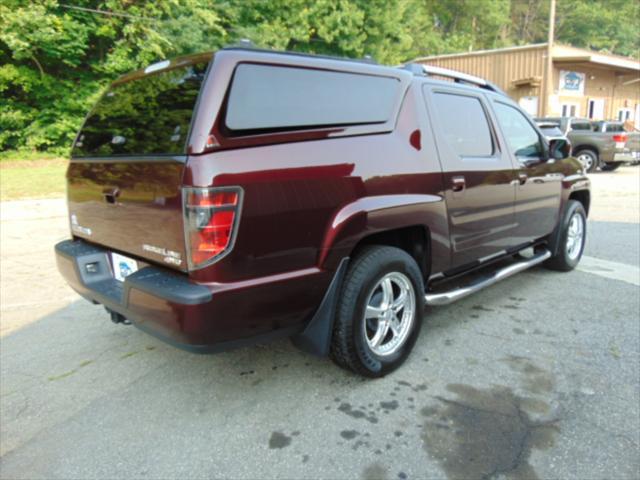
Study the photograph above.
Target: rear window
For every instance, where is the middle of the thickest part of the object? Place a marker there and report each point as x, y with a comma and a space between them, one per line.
464, 124
148, 115
272, 98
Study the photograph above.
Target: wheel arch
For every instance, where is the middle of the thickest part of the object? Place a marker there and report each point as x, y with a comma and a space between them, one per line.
583, 146
415, 240
416, 224
582, 196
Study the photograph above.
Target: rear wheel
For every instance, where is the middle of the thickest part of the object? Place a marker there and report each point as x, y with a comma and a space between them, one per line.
573, 234
379, 312
610, 167
588, 158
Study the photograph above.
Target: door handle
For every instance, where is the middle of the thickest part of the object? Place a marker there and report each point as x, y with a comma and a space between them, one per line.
458, 184
522, 178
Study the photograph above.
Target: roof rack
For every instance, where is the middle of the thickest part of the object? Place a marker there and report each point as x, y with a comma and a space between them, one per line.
246, 44
458, 77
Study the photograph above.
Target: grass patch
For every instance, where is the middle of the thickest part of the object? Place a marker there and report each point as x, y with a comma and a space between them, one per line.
29, 178
26, 156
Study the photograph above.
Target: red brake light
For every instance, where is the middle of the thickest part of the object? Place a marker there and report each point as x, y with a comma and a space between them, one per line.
211, 220
620, 138
210, 198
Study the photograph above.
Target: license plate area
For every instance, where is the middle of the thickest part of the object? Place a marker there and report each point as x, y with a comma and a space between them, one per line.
122, 266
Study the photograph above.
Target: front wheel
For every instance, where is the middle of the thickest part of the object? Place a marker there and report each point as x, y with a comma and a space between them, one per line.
573, 233
379, 312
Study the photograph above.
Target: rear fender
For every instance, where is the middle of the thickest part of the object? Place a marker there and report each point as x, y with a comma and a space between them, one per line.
370, 215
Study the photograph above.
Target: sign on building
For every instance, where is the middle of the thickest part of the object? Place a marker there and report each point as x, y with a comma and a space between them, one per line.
572, 82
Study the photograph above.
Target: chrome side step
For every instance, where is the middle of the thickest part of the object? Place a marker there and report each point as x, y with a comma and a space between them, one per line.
451, 296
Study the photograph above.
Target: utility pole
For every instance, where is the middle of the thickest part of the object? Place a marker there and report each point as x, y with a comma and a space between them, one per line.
548, 74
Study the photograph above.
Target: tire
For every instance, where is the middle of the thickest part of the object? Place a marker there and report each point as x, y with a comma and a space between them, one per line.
569, 253
354, 336
609, 167
588, 158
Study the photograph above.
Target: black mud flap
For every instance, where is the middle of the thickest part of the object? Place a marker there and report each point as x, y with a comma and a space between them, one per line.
316, 337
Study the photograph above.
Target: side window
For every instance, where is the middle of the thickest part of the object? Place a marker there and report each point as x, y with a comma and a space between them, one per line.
522, 138
464, 124
580, 126
276, 98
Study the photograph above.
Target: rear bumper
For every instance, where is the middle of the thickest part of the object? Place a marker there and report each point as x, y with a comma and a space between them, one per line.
626, 157
196, 317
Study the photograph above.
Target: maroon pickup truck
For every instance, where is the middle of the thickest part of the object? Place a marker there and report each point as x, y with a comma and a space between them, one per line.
233, 197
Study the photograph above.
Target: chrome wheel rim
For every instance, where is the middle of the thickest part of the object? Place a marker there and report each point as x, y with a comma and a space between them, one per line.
389, 314
575, 236
586, 160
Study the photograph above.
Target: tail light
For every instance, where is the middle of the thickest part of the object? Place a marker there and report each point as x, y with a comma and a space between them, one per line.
211, 217
620, 140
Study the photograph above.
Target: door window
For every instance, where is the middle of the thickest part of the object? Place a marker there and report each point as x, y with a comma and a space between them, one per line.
464, 124
521, 137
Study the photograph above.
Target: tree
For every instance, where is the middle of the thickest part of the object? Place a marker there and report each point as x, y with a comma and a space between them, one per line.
56, 59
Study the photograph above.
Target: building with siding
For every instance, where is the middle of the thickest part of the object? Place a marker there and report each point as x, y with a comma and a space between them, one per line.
583, 83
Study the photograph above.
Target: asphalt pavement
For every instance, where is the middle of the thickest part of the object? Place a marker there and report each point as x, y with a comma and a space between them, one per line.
535, 377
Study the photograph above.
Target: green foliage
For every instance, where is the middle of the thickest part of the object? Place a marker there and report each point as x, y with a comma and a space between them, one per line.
55, 61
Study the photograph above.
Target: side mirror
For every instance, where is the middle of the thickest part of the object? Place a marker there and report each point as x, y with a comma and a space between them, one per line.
559, 148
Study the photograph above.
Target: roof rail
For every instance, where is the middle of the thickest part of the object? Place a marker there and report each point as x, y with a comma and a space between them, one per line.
458, 77
248, 45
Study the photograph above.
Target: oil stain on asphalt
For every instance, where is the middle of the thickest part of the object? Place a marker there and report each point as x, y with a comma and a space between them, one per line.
483, 433
279, 440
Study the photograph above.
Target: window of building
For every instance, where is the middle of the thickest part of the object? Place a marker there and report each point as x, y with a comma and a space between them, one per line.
273, 98
570, 109
624, 114
464, 124
522, 138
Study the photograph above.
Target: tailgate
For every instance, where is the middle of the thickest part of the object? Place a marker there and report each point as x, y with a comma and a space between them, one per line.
125, 177
633, 141
131, 206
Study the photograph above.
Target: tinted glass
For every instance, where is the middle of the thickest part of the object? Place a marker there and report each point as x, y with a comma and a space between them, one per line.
551, 131
281, 98
615, 127
522, 138
464, 124
580, 126
149, 115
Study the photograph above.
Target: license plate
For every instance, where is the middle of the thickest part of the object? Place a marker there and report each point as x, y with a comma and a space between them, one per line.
122, 266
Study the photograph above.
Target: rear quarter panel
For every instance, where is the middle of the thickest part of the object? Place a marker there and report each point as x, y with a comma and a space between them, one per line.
602, 142
296, 210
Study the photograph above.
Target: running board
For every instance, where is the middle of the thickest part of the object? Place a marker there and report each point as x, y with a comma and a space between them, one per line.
451, 296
